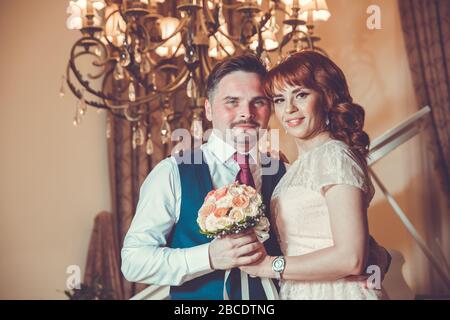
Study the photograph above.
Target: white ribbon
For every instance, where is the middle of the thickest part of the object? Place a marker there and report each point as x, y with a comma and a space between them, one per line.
269, 288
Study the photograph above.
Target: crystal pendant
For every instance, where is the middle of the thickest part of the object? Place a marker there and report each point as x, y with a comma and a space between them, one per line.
137, 55
77, 118
131, 92
165, 131
124, 58
138, 137
76, 121
154, 81
108, 127
62, 91
97, 52
191, 88
191, 56
197, 128
266, 60
83, 107
82, 104
149, 146
118, 72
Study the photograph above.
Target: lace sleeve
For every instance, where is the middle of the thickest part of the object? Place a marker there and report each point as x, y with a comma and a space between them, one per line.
336, 165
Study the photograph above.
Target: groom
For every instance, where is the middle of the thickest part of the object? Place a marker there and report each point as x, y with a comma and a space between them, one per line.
163, 245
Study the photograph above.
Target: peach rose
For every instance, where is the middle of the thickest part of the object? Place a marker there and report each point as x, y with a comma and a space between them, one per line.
220, 193
201, 222
221, 212
250, 190
241, 201
237, 215
209, 194
207, 209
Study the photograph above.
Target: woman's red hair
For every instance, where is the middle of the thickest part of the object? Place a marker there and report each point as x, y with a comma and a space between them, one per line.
317, 72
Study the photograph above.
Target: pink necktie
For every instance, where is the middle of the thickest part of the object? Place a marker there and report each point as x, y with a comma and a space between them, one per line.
244, 175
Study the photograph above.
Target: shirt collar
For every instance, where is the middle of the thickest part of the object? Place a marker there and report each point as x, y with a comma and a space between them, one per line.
224, 151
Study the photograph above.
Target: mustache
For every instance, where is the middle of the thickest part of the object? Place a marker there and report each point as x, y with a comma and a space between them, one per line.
251, 122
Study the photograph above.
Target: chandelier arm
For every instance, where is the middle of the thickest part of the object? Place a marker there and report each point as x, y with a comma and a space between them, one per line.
286, 39
108, 74
176, 50
78, 95
235, 40
264, 19
85, 83
97, 76
308, 37
77, 73
94, 63
71, 67
101, 64
171, 87
129, 117
207, 13
221, 46
174, 85
205, 63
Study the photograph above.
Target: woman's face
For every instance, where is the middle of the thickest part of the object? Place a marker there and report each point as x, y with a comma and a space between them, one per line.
299, 110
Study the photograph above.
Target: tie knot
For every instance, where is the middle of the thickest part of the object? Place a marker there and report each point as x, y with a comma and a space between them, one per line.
242, 160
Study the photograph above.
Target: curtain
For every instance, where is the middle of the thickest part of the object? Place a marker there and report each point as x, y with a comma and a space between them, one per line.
128, 169
102, 265
426, 30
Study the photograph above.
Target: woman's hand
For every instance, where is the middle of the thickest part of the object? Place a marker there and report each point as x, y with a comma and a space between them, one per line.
262, 269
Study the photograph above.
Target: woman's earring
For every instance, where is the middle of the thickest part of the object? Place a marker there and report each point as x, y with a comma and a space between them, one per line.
327, 122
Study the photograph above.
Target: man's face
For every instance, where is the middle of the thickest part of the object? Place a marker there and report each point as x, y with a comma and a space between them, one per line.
240, 107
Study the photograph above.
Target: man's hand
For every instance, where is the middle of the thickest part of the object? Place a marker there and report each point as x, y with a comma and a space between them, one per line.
378, 256
235, 250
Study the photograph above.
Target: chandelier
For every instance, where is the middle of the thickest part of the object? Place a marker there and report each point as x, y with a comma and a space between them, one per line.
149, 53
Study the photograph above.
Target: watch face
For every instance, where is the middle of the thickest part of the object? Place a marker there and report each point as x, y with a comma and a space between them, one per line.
278, 264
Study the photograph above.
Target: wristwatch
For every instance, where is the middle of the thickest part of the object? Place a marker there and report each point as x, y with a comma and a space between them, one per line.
278, 265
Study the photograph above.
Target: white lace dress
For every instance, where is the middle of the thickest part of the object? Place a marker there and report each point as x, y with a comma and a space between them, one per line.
301, 219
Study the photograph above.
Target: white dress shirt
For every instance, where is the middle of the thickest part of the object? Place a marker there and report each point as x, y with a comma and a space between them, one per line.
145, 257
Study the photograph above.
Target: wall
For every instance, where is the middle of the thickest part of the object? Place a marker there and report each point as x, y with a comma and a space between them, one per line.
54, 176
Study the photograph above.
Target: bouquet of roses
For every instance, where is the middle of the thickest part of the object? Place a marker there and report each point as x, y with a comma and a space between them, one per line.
230, 210
233, 209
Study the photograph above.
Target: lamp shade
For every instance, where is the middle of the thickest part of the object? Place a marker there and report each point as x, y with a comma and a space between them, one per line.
317, 10
77, 11
290, 3
115, 28
168, 26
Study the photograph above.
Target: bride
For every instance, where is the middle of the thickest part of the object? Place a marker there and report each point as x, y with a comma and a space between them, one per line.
319, 208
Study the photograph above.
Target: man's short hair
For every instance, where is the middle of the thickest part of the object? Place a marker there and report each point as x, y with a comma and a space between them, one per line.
246, 62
